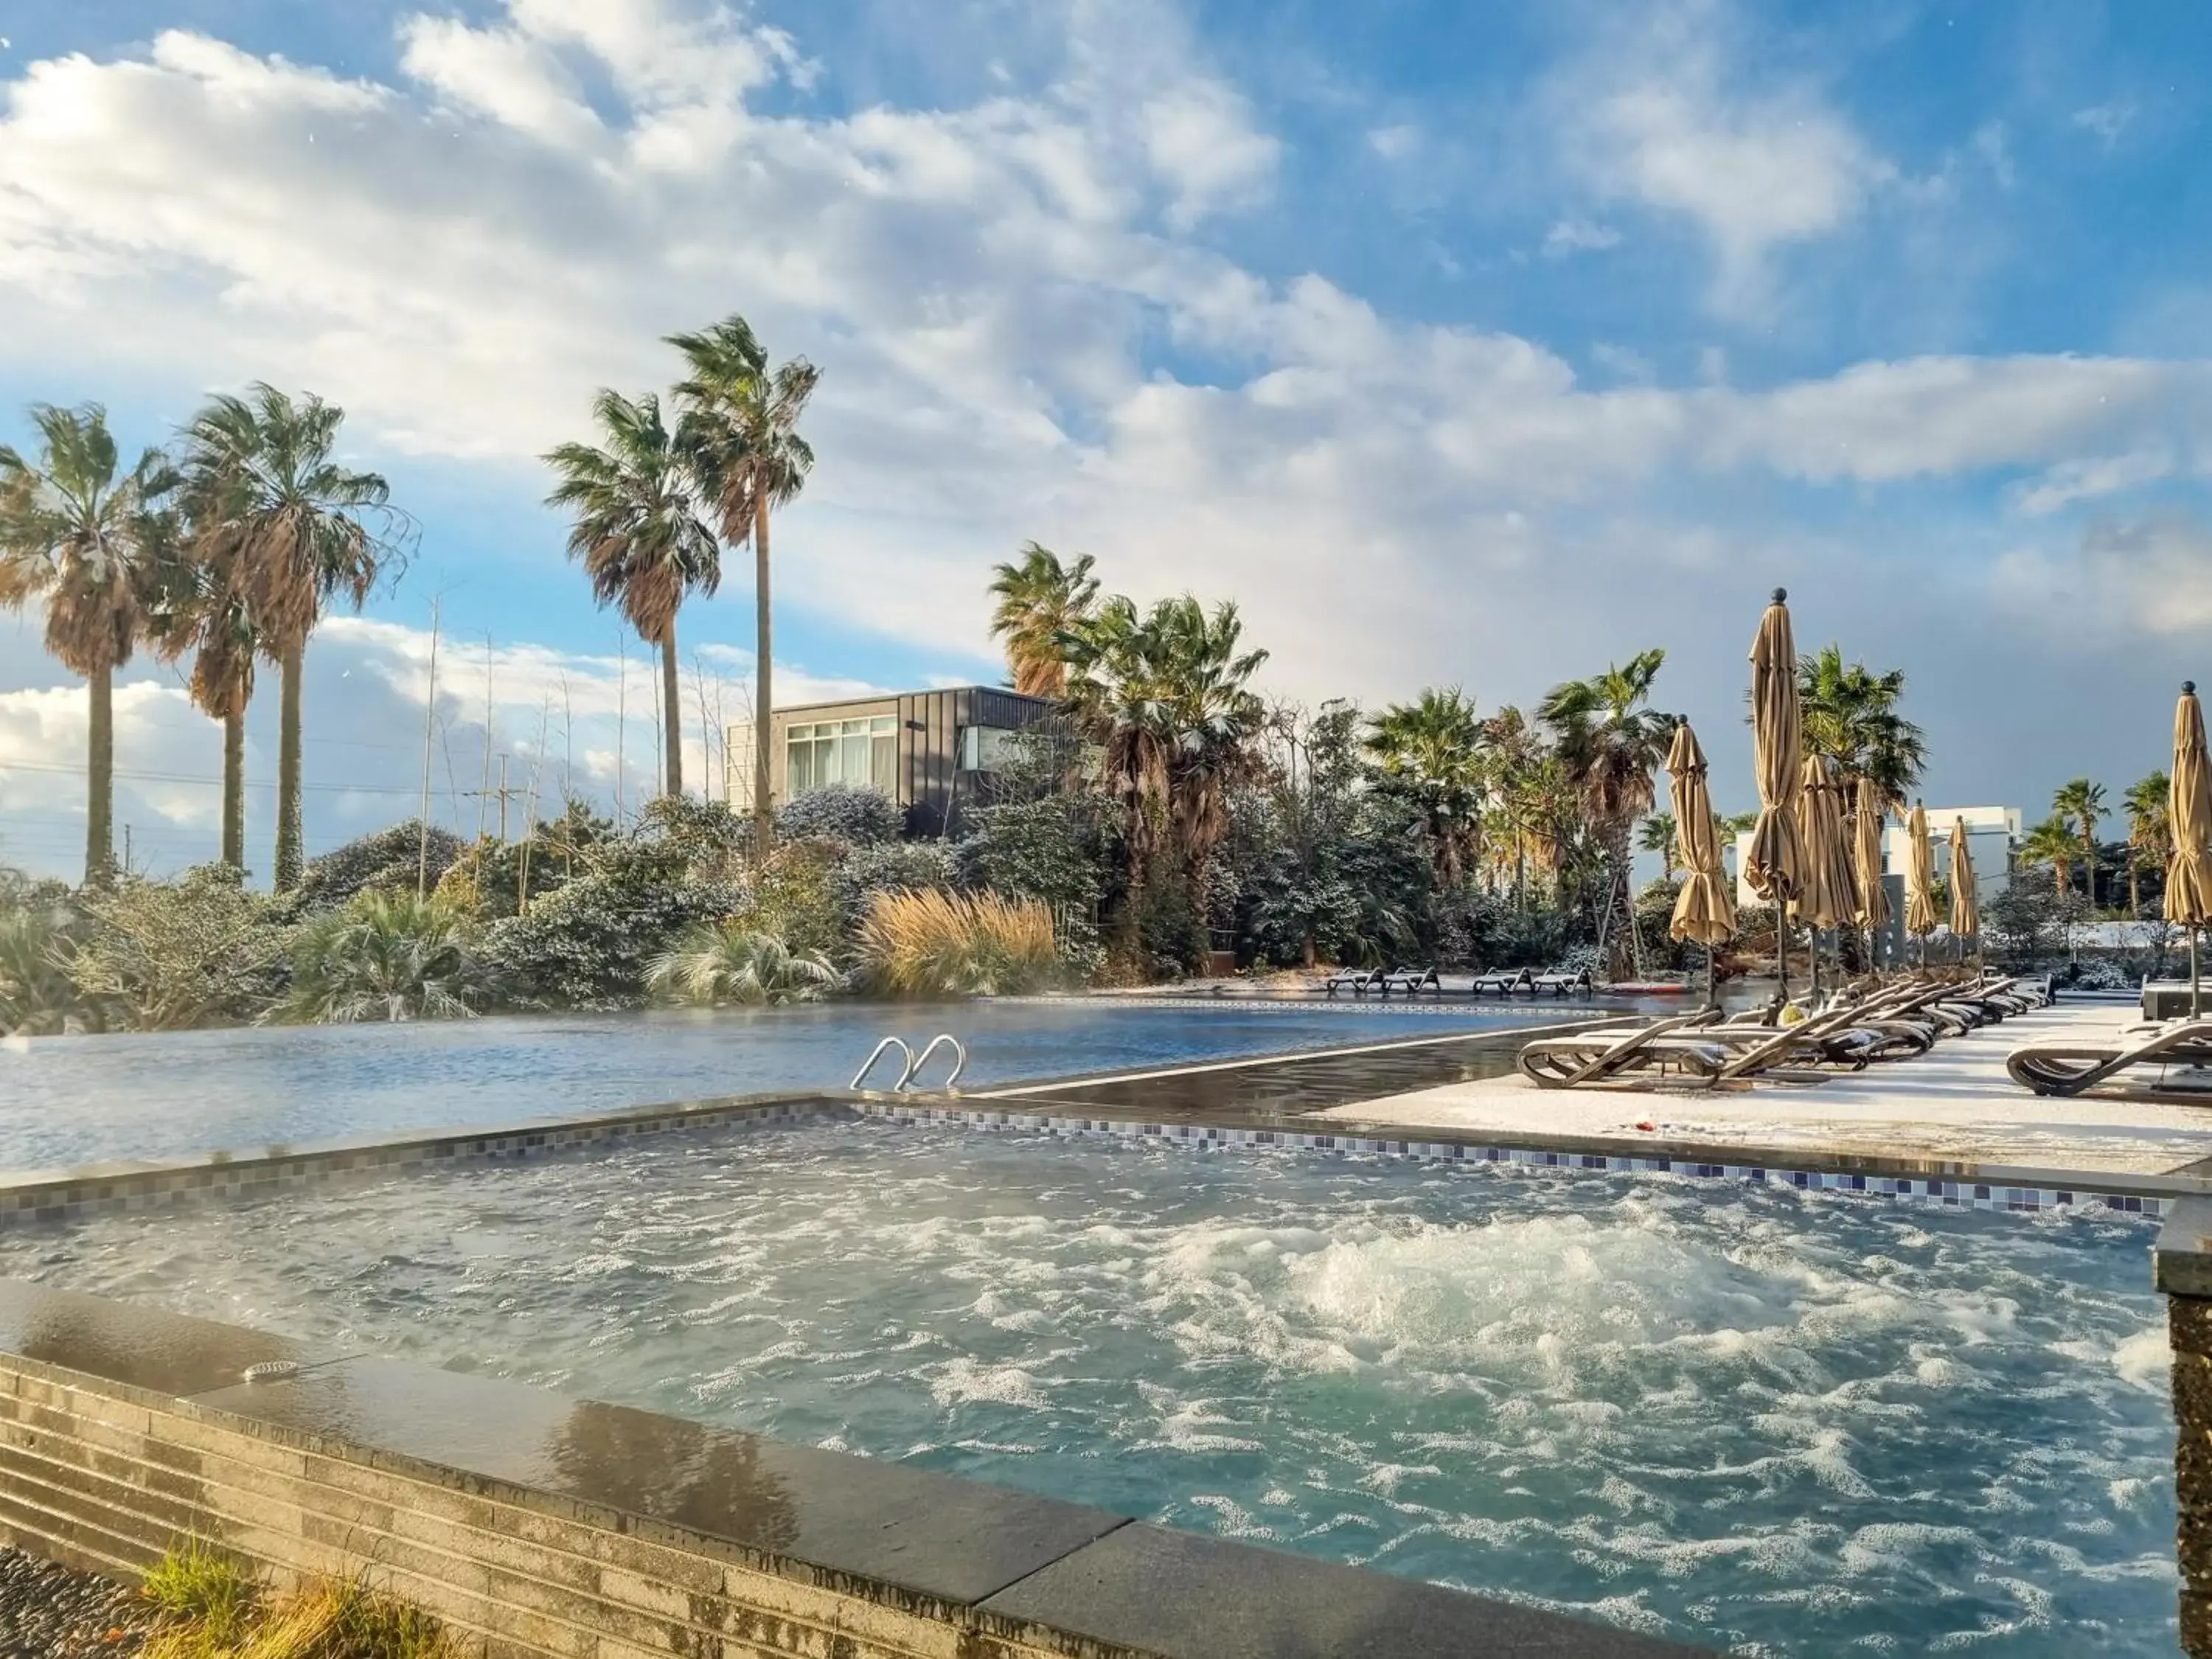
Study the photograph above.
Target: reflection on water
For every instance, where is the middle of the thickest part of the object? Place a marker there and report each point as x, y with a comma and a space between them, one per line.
1764, 1421
75, 1100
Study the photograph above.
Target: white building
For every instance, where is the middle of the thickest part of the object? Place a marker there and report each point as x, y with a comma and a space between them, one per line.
1991, 834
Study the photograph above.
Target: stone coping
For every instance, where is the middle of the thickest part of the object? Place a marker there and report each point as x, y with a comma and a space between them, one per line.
2181, 1260
1063, 1576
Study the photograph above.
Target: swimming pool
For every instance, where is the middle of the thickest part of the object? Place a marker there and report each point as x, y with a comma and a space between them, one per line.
1782, 1423
67, 1101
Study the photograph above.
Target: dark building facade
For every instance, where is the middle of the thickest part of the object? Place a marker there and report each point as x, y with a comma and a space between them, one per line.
931, 751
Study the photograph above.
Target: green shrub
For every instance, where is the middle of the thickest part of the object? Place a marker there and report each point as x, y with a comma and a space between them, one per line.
387, 957
390, 860
167, 955
890, 866
793, 895
588, 944
841, 811
731, 963
39, 934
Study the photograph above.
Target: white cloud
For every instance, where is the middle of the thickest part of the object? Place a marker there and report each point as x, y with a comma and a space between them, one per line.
2084, 480
1672, 114
2106, 121
1570, 236
1394, 143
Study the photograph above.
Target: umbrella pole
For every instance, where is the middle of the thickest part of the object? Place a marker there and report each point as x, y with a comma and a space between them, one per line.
1712, 986
2196, 994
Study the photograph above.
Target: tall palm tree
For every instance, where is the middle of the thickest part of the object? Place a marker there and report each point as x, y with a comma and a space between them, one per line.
1850, 714
639, 535
83, 536
2082, 803
1432, 749
1038, 601
295, 531
1612, 743
2149, 832
739, 438
1662, 834
2052, 842
1515, 751
197, 606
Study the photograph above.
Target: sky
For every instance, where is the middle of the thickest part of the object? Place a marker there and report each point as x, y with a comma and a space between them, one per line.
1475, 345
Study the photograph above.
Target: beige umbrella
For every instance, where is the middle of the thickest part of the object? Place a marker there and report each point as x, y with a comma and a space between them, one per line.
1774, 863
1874, 896
1826, 898
2189, 811
1703, 910
1920, 880
1966, 902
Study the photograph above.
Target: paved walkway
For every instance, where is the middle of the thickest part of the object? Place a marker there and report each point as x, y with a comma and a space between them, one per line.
1953, 1105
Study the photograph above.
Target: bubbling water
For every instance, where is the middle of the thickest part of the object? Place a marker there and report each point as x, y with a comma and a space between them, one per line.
1760, 1420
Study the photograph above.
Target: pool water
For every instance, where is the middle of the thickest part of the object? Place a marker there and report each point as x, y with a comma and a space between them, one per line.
67, 1101
1765, 1421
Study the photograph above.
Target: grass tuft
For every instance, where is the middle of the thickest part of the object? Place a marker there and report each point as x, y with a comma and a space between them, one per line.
215, 1614
930, 943
197, 1582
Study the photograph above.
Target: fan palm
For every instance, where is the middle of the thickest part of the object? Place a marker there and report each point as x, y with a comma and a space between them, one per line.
729, 962
1661, 835
2051, 842
1611, 743
1850, 714
2150, 832
1038, 601
198, 607
739, 438
1432, 749
642, 544
289, 531
83, 536
2082, 803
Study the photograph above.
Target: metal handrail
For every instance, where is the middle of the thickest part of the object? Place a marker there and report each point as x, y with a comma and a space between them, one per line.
877, 1054
959, 1060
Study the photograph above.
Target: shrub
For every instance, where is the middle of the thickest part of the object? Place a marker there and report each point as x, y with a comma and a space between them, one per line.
167, 956
936, 944
387, 957
587, 945
732, 963
841, 811
890, 866
389, 861
39, 934
707, 836
793, 896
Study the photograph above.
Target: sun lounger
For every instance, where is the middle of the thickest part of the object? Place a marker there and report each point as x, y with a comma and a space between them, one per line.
1506, 981
1696, 1048
1411, 981
1559, 981
2061, 1067
1357, 981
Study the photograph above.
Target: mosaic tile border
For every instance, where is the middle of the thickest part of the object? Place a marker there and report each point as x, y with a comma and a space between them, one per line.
1921, 1190
71, 1198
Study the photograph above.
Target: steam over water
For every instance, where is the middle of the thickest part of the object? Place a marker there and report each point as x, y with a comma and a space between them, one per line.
1764, 1422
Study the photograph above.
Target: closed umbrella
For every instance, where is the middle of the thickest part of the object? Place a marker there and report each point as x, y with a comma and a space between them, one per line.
1703, 910
1965, 903
1874, 896
1920, 880
2189, 872
1825, 897
1774, 863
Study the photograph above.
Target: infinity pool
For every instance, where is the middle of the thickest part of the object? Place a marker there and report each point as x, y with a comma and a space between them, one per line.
76, 1100
1768, 1422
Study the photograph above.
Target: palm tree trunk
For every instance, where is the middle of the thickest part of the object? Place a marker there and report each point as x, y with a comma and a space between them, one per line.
763, 706
672, 695
233, 790
291, 863
2089, 867
100, 780
2135, 887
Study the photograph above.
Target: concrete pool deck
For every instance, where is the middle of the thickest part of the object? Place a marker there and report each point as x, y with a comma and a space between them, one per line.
1954, 1105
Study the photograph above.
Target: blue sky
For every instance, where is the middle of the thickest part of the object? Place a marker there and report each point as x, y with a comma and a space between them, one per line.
1476, 345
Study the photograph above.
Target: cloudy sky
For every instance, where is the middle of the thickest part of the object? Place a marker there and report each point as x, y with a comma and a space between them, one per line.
1481, 346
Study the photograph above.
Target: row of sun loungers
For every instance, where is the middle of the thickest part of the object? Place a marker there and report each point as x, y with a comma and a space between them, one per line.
1705, 1048
2139, 1058
1411, 981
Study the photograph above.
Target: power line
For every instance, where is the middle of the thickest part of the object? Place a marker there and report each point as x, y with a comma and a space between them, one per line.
213, 783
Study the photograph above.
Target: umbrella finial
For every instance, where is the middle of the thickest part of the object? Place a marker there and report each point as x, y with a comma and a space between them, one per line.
2189, 688
1781, 594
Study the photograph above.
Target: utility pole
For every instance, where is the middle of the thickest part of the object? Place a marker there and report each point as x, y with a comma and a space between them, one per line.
483, 791
429, 726
502, 800
126, 850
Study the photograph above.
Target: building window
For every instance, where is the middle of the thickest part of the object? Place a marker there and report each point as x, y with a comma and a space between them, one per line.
862, 752
983, 748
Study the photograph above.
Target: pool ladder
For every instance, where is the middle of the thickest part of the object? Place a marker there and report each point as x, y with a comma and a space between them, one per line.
914, 1063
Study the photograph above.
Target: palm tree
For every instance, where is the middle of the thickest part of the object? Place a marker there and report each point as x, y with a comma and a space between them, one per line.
1849, 713
1514, 752
739, 438
2083, 803
642, 544
2052, 842
84, 536
199, 607
1662, 834
1039, 601
293, 530
2149, 832
1611, 744
1433, 750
